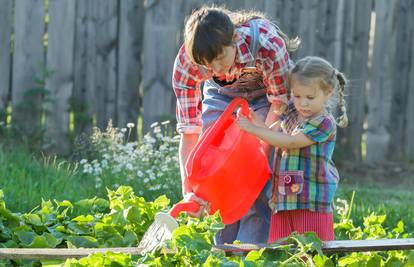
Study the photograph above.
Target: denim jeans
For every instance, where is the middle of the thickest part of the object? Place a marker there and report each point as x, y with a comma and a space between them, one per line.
254, 226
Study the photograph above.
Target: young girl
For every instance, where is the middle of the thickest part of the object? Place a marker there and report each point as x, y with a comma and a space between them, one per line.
226, 55
305, 177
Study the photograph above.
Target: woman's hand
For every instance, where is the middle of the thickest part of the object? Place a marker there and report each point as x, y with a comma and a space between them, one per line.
204, 205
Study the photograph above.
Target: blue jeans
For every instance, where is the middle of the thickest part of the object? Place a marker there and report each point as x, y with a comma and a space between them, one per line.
254, 226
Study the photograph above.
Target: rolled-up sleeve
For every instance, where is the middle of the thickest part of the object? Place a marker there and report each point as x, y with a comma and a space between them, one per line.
276, 65
186, 82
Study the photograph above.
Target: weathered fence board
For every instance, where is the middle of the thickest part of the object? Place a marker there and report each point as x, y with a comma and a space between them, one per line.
337, 246
381, 89
131, 32
163, 23
106, 44
409, 130
355, 66
82, 101
28, 63
5, 33
60, 83
400, 78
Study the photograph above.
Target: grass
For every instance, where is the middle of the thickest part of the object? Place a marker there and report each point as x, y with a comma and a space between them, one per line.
25, 180
379, 196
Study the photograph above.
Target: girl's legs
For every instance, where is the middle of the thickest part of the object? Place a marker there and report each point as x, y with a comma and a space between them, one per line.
280, 226
283, 223
311, 221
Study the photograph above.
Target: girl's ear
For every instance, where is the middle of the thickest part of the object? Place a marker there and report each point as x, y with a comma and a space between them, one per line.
330, 92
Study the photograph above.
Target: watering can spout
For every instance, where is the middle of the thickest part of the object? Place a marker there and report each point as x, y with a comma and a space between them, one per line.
163, 226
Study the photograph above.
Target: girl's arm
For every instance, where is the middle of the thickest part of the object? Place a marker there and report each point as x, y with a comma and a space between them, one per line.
272, 137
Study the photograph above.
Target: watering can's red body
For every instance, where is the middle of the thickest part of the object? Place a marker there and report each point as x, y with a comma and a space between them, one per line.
228, 167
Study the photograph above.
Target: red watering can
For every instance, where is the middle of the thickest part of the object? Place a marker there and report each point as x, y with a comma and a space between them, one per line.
228, 168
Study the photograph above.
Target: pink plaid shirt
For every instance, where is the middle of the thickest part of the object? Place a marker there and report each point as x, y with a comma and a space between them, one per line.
272, 61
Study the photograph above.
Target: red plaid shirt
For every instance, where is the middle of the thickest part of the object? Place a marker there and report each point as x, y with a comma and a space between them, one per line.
272, 61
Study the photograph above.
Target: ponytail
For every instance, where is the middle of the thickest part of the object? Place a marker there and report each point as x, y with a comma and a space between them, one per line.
343, 119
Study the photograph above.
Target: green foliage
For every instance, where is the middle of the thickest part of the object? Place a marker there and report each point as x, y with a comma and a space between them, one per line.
124, 217
119, 222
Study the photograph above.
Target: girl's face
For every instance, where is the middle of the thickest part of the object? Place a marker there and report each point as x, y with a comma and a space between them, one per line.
223, 62
309, 100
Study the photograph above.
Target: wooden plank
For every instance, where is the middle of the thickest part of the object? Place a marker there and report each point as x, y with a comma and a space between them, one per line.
28, 61
399, 74
164, 21
131, 31
61, 32
355, 67
5, 61
339, 29
409, 130
381, 89
60, 253
336, 246
106, 61
306, 28
368, 245
83, 98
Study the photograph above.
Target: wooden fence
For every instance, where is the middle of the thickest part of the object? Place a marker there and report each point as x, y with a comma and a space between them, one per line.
67, 65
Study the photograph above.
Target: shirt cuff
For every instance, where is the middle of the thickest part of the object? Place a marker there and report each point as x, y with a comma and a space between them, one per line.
277, 99
188, 129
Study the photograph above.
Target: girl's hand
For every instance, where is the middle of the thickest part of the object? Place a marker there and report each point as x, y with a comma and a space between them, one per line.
245, 124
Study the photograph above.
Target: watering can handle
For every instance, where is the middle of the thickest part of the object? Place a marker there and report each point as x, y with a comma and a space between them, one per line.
209, 137
191, 206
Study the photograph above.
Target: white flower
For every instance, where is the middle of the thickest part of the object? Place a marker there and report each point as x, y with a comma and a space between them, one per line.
130, 125
83, 161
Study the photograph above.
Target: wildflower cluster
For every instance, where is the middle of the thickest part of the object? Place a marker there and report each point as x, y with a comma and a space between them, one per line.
150, 165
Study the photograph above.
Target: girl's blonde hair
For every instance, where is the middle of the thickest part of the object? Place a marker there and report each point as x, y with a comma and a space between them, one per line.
311, 70
210, 28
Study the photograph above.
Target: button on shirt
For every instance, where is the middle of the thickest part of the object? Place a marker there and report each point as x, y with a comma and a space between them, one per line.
320, 176
272, 61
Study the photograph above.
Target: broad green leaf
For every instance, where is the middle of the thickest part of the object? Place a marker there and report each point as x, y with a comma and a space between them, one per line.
82, 242
322, 261
33, 219
83, 219
374, 261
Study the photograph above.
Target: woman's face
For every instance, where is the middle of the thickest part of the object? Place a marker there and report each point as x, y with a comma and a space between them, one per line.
309, 100
223, 62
